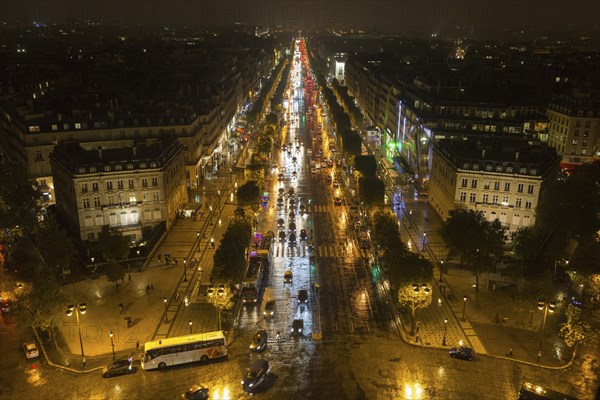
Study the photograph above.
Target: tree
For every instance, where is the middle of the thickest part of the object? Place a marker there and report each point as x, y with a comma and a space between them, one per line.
248, 193
229, 258
371, 190
55, 246
43, 305
365, 165
414, 286
114, 272
271, 119
525, 244
113, 244
385, 230
576, 329
475, 240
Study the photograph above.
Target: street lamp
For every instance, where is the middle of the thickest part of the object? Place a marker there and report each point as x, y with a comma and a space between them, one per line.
190, 323
185, 269
78, 308
166, 316
548, 307
464, 307
424, 236
112, 343
441, 269
445, 330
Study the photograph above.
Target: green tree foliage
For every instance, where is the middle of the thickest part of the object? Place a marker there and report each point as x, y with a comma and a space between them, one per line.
271, 119
41, 304
572, 206
525, 243
366, 165
478, 242
371, 190
19, 208
114, 272
265, 144
229, 259
385, 230
248, 193
576, 329
25, 258
351, 143
55, 246
112, 244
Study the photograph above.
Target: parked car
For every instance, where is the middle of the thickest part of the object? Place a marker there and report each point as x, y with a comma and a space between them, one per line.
255, 375
280, 177
291, 191
259, 342
292, 227
280, 222
282, 236
196, 392
337, 201
118, 367
269, 309
292, 238
31, 350
211, 290
221, 290
302, 296
464, 353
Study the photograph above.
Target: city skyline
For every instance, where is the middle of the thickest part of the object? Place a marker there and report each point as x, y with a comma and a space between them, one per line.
487, 19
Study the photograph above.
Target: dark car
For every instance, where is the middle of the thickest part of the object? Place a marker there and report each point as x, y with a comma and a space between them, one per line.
292, 238
297, 327
255, 375
280, 222
337, 201
464, 353
291, 191
281, 191
303, 235
292, 214
292, 226
282, 236
302, 208
269, 309
259, 342
196, 392
288, 276
302, 296
280, 177
118, 367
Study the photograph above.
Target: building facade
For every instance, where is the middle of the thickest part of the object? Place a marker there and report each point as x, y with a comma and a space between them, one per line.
501, 177
574, 130
125, 188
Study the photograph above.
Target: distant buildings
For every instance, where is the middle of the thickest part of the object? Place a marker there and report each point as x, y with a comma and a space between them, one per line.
127, 188
574, 129
501, 177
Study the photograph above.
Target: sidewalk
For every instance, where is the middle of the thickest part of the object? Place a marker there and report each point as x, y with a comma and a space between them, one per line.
482, 328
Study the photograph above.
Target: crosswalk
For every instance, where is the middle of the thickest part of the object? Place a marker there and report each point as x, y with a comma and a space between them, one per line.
302, 250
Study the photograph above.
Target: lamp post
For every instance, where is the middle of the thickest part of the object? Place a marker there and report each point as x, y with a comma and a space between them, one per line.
78, 308
190, 324
445, 330
424, 237
464, 307
420, 293
185, 269
548, 307
112, 343
441, 269
166, 316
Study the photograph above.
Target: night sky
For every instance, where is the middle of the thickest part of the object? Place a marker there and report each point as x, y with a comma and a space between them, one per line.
403, 16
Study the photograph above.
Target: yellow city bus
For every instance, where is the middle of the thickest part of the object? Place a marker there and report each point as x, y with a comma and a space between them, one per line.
183, 349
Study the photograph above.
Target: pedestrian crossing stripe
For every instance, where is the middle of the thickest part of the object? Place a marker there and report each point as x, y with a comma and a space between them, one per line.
320, 251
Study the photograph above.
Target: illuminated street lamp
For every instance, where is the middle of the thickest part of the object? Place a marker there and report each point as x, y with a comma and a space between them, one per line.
424, 237
112, 343
464, 307
166, 316
185, 269
190, 324
80, 308
441, 269
548, 307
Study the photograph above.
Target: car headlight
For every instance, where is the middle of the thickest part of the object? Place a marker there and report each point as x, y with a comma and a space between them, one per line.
250, 385
242, 382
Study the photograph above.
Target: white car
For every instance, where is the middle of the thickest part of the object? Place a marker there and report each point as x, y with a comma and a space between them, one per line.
31, 350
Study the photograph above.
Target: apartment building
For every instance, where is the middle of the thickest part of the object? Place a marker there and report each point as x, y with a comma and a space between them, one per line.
574, 129
501, 177
127, 188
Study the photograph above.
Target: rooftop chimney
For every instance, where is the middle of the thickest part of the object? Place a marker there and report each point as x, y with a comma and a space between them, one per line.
100, 152
482, 153
134, 150
517, 156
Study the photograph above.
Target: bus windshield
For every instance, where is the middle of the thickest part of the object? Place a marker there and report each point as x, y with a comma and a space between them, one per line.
183, 349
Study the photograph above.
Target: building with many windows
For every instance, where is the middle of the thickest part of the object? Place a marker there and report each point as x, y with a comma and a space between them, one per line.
574, 129
501, 177
127, 188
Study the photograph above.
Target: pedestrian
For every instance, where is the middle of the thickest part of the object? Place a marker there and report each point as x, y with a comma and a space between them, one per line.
151, 286
417, 339
137, 345
129, 276
539, 355
147, 290
509, 353
84, 363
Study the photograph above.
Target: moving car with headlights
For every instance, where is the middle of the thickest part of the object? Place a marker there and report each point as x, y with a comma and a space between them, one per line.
31, 350
297, 327
118, 367
196, 392
337, 201
287, 276
269, 309
255, 375
302, 296
259, 342
464, 353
